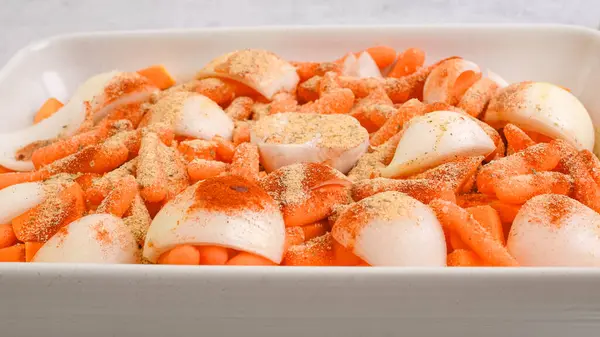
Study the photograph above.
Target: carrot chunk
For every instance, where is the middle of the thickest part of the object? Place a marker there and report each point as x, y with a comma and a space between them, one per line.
463, 258
158, 75
14, 253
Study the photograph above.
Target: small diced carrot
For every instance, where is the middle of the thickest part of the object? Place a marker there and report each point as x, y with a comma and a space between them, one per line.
158, 75
463, 258
47, 109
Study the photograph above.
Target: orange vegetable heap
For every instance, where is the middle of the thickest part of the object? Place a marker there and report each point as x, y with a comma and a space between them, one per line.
373, 159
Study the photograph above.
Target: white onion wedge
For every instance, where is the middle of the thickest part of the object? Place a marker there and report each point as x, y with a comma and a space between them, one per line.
500, 81
543, 108
96, 238
18, 199
70, 117
440, 84
261, 70
435, 138
288, 138
555, 230
366, 66
392, 229
192, 115
350, 65
244, 217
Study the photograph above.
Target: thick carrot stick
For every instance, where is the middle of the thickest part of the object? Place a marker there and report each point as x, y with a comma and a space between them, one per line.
458, 220
293, 236
245, 161
119, 199
158, 75
463, 258
423, 190
225, 149
13, 178
519, 189
14, 253
382, 55
394, 124
31, 248
457, 173
213, 255
408, 62
314, 230
240, 108
315, 252
516, 138
200, 169
7, 236
181, 255
249, 259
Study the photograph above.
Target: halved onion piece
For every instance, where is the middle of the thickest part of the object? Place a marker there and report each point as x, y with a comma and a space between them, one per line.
449, 80
392, 229
192, 115
366, 66
350, 65
543, 108
259, 69
289, 138
18, 199
227, 211
435, 138
104, 92
95, 238
555, 230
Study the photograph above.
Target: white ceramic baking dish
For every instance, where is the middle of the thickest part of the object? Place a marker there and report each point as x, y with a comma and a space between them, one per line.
140, 300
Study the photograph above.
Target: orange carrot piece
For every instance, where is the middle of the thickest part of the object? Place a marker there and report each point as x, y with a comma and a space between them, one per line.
241, 133
308, 91
14, 253
408, 62
245, 161
198, 149
249, 259
200, 169
240, 108
344, 256
374, 110
458, 220
225, 149
31, 248
181, 255
336, 101
117, 202
592, 163
394, 124
47, 109
158, 75
538, 137
457, 173
519, 189
213, 255
423, 190
293, 236
516, 138
314, 230
5, 170
463, 258
540, 157
489, 219
307, 70
13, 178
382, 55
585, 190
7, 236
39, 224
476, 98
150, 174
315, 252
218, 90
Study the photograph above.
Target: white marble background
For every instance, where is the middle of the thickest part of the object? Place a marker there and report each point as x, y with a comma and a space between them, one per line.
22, 21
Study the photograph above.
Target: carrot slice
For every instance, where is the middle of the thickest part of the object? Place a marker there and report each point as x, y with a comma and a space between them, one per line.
158, 75
181, 255
456, 173
31, 248
423, 190
516, 138
200, 169
41, 222
382, 55
117, 202
14, 253
249, 259
463, 258
315, 252
245, 161
314, 230
540, 157
47, 109
458, 220
408, 62
519, 189
7, 236
225, 149
213, 255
